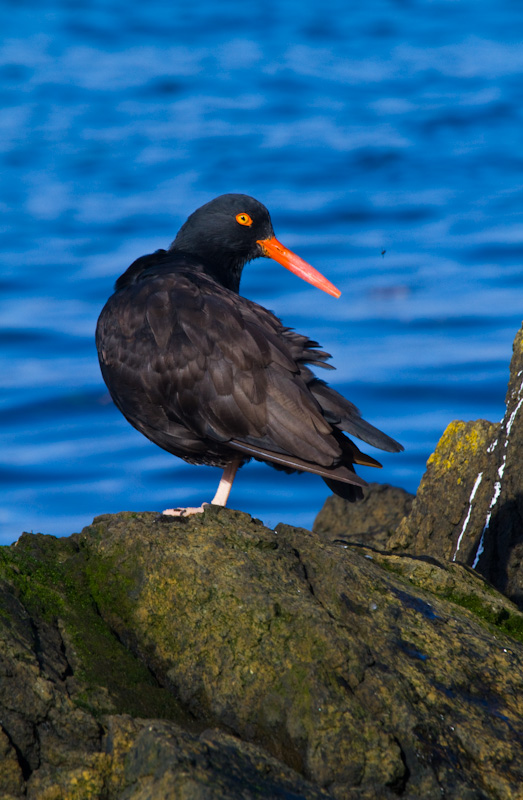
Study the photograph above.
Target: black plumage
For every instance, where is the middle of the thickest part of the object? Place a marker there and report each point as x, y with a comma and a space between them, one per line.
215, 378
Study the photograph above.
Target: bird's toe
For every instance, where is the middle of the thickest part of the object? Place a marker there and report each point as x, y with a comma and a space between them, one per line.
184, 512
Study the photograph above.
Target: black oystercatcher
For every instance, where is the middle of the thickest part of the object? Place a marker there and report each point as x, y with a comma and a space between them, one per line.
217, 379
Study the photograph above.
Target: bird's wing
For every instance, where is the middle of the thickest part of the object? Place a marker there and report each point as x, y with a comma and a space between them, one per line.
341, 413
336, 409
219, 365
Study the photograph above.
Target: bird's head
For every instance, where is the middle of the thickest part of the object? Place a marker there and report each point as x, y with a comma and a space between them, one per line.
233, 229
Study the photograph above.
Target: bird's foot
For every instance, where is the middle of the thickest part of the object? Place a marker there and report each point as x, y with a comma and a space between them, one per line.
184, 512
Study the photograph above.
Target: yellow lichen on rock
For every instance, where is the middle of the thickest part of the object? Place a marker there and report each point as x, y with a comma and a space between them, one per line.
85, 782
460, 441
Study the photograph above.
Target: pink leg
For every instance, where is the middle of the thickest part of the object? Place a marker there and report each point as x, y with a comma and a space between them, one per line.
225, 485
219, 499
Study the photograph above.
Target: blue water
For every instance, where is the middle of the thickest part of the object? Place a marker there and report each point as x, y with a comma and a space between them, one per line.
386, 140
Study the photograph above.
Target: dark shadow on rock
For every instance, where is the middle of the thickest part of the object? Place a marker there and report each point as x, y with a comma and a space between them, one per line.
500, 549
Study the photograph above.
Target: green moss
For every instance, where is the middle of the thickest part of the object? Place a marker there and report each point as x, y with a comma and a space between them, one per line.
502, 619
387, 565
39, 582
106, 592
53, 578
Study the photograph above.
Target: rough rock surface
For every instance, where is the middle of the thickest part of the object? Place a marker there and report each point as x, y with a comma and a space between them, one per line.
370, 522
469, 506
214, 658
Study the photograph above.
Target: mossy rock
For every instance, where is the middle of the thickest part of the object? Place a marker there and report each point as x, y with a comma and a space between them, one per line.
331, 670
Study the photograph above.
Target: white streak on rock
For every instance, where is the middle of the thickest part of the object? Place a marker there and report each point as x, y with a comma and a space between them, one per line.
497, 485
512, 418
471, 498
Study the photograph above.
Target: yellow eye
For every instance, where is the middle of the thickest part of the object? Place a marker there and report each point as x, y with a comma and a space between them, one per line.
243, 219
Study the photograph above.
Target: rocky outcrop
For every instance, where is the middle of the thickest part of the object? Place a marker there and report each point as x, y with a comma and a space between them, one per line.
212, 657
371, 522
82, 715
469, 506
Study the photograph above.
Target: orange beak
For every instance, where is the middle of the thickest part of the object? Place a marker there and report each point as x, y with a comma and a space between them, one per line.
273, 249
